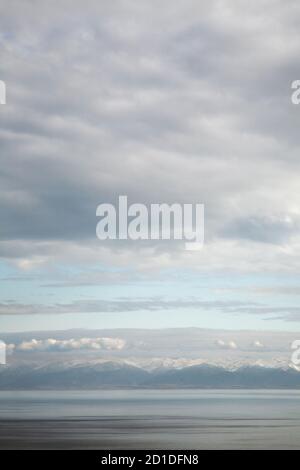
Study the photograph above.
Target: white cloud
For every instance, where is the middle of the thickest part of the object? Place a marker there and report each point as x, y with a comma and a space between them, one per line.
226, 344
51, 344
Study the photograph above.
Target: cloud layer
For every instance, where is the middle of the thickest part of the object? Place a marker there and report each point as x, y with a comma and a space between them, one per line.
192, 100
51, 344
186, 102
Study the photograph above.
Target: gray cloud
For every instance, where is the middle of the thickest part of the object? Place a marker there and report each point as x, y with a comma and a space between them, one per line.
192, 100
267, 312
120, 305
270, 229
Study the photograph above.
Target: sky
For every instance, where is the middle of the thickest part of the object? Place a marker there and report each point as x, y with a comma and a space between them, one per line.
186, 102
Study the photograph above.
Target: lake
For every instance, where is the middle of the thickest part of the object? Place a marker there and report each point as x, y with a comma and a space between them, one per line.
146, 419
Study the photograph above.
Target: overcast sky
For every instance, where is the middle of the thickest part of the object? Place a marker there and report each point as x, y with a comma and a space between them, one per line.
182, 101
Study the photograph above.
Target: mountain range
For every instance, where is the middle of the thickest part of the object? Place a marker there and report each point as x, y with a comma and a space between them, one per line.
121, 374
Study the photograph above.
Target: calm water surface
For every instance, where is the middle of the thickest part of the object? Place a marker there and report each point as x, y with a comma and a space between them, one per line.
192, 419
